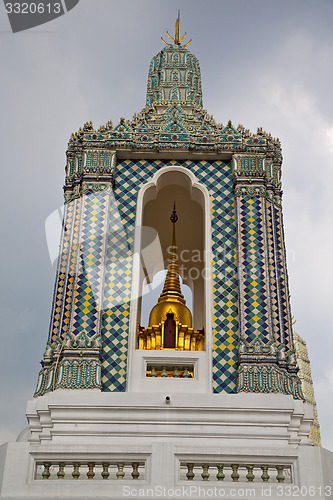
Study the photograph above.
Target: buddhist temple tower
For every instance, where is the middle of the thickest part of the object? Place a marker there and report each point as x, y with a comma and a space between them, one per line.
208, 393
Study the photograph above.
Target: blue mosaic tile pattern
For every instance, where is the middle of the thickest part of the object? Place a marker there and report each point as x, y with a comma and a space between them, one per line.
117, 289
116, 301
217, 177
272, 272
283, 289
85, 317
62, 300
252, 263
58, 302
115, 328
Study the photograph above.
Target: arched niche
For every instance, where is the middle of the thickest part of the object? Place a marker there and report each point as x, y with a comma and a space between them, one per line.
193, 232
175, 188
193, 236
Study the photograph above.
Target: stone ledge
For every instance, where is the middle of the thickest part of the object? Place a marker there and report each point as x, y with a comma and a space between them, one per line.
87, 416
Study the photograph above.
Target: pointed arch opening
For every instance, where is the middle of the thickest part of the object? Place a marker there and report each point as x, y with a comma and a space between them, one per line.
174, 184
174, 94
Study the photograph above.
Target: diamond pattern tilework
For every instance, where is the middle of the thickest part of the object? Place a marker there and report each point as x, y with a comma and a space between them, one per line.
85, 315
114, 347
118, 261
66, 270
130, 176
116, 301
72, 269
117, 289
283, 289
272, 272
252, 255
58, 301
217, 177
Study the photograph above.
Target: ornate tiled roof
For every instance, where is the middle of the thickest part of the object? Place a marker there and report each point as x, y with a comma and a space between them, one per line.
172, 122
174, 118
174, 76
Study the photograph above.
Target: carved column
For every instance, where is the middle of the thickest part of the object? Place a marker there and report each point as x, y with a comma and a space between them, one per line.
266, 360
73, 355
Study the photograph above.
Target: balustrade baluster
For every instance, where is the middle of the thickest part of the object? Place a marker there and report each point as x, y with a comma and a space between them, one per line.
175, 372
135, 473
234, 474
190, 473
264, 475
250, 476
61, 471
164, 372
120, 474
105, 472
46, 472
280, 476
91, 473
205, 473
76, 471
220, 474
186, 372
153, 372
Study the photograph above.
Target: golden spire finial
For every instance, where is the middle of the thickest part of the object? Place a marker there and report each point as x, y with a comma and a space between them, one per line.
171, 300
174, 216
176, 40
171, 287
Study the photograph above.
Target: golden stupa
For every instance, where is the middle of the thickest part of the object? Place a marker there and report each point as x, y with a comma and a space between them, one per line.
170, 320
171, 300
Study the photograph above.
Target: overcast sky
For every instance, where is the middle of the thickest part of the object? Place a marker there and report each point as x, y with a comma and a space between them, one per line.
263, 63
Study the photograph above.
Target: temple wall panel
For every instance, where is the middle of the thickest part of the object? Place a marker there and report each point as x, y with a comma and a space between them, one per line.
66, 271
131, 175
282, 279
273, 278
252, 269
85, 318
118, 276
97, 258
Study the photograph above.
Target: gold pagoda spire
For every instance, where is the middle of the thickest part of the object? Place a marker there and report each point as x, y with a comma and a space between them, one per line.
171, 300
176, 39
170, 320
171, 289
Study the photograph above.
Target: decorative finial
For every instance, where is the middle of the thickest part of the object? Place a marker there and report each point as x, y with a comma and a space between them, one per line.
174, 216
176, 40
171, 288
